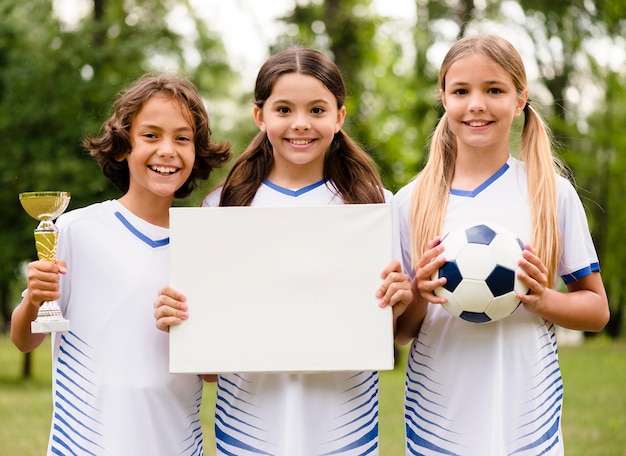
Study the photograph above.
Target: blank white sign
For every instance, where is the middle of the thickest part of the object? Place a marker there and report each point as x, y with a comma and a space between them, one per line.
276, 289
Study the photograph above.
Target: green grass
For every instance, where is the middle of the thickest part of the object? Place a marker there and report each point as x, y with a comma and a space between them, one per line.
594, 416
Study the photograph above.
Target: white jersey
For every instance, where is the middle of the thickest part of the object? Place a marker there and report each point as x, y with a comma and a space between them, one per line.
112, 392
491, 389
296, 414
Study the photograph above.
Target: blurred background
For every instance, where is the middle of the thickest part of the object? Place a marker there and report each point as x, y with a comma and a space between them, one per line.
63, 62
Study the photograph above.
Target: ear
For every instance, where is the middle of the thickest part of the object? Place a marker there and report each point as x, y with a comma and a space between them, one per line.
442, 95
341, 117
258, 117
121, 158
521, 102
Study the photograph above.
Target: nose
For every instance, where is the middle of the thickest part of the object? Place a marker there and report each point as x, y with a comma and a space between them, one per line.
166, 148
477, 102
301, 123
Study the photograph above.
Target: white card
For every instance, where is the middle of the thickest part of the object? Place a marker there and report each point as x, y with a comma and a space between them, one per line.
281, 289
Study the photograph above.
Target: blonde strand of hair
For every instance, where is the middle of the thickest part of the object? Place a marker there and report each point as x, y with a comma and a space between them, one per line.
542, 168
430, 194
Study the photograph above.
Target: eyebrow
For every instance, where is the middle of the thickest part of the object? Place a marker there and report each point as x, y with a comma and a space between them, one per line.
157, 127
491, 82
286, 101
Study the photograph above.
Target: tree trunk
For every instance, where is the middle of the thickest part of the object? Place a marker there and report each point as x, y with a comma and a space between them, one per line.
5, 306
27, 371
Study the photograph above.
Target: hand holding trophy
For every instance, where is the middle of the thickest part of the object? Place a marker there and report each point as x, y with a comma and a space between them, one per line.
45, 207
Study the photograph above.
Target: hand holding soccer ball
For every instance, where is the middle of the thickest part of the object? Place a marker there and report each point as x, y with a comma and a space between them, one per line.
481, 266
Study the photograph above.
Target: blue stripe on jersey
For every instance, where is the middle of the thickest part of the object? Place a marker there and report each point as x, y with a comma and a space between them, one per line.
76, 421
551, 437
481, 187
294, 193
241, 426
365, 439
429, 431
140, 235
576, 275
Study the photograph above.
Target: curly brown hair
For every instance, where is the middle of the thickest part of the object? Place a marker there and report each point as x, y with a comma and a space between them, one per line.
114, 143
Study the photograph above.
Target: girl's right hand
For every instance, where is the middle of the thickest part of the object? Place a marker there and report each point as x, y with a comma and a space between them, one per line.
426, 267
169, 308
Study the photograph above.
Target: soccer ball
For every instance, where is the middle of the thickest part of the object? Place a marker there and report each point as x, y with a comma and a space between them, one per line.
481, 266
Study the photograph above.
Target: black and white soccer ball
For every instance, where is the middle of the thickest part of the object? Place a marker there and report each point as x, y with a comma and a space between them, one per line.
481, 266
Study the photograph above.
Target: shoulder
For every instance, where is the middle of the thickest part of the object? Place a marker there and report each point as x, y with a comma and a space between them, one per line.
213, 198
94, 210
569, 200
565, 186
403, 196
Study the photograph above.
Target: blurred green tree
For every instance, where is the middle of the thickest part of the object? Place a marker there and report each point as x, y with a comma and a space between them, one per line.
390, 96
393, 103
57, 83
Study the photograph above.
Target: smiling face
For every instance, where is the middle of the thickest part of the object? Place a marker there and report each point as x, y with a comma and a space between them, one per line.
300, 118
481, 102
163, 151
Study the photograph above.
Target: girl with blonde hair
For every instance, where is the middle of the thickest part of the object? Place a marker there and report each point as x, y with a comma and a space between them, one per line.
493, 388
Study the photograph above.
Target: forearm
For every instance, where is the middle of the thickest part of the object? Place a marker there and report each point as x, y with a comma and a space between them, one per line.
408, 324
21, 335
584, 307
582, 310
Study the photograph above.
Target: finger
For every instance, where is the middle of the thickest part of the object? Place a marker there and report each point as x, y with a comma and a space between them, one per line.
172, 293
62, 266
393, 283
433, 242
167, 296
424, 275
427, 290
38, 297
401, 297
430, 255
393, 266
43, 266
531, 275
41, 276
165, 306
43, 287
164, 323
391, 295
530, 255
167, 316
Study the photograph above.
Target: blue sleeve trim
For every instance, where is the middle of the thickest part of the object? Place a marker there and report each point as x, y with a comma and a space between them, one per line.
576, 275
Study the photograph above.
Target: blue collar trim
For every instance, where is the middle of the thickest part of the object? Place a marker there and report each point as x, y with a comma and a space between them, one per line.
288, 192
481, 187
140, 235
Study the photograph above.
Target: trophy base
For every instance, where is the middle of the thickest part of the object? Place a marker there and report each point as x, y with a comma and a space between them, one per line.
49, 326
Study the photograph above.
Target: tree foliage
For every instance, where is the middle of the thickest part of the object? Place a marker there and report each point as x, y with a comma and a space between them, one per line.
394, 107
389, 101
57, 83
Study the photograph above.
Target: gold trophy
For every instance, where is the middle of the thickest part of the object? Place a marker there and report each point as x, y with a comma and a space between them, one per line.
45, 207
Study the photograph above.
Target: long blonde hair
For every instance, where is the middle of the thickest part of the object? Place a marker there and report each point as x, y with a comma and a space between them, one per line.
432, 186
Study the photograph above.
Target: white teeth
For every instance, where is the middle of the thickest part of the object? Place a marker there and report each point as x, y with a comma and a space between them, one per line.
477, 124
300, 142
164, 169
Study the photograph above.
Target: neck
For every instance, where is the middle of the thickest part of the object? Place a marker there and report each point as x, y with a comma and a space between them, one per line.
295, 178
471, 169
154, 210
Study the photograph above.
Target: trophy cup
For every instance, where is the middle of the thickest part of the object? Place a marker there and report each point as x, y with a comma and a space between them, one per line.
45, 207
